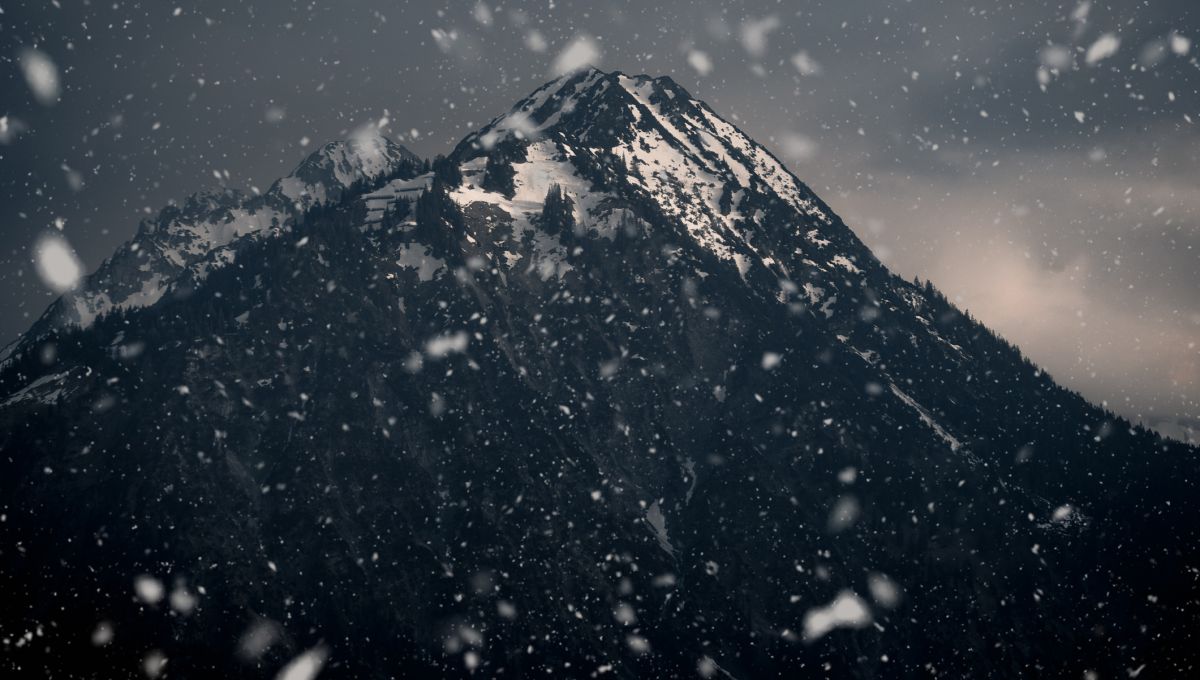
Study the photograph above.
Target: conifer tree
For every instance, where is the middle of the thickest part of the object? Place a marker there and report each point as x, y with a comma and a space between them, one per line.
447, 170
439, 222
558, 214
498, 175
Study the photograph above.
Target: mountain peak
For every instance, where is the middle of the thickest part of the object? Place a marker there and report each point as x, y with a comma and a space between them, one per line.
588, 102
363, 158
643, 119
647, 142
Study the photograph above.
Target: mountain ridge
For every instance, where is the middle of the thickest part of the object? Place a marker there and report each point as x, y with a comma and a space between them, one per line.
184, 241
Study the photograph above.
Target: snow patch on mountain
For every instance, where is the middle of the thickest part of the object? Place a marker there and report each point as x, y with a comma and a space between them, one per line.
46, 389
658, 524
417, 257
927, 418
381, 200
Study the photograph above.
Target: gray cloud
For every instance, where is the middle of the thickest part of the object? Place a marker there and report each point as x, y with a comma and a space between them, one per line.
1104, 305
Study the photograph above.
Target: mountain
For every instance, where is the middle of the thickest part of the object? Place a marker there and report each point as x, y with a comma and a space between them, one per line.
176, 250
605, 390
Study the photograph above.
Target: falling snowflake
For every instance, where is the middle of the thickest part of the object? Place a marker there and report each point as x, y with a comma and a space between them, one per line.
40, 74
846, 611
1104, 47
582, 52
57, 264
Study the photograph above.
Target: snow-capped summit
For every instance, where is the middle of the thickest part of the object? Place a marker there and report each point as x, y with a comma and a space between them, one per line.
655, 126
363, 159
622, 145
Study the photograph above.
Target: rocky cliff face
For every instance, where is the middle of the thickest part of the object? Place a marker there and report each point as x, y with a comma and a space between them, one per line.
609, 391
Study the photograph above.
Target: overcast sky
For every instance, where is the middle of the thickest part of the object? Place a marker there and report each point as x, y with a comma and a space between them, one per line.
1038, 161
